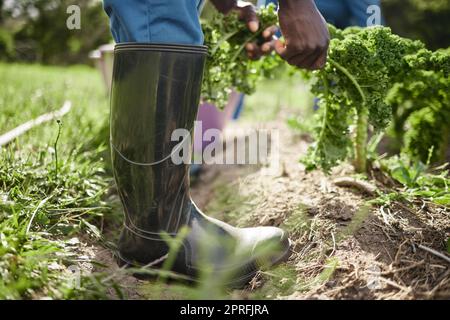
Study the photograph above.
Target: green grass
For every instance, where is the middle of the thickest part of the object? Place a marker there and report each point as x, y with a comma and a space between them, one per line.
43, 204
48, 209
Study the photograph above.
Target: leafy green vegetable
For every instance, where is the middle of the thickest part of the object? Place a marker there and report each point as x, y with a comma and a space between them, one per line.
421, 105
372, 77
363, 64
228, 65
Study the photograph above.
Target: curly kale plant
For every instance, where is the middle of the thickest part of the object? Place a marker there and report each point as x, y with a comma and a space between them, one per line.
372, 76
228, 65
361, 69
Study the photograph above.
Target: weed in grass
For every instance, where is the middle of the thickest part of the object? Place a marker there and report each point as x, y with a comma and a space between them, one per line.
45, 202
56, 148
417, 180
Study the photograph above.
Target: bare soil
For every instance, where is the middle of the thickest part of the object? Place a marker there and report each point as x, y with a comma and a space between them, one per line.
344, 247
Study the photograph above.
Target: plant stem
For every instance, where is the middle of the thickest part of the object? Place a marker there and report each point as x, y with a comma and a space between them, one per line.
350, 77
362, 122
225, 38
242, 47
56, 149
325, 114
361, 140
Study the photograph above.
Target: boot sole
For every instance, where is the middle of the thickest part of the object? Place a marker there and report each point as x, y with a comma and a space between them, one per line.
239, 283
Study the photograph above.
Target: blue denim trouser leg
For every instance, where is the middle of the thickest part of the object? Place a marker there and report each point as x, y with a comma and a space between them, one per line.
156, 21
342, 13
345, 13
358, 9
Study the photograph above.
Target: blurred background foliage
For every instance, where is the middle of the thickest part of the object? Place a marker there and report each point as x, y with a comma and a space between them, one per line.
426, 20
35, 30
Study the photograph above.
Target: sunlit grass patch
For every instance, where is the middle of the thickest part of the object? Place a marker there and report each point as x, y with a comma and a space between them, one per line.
45, 203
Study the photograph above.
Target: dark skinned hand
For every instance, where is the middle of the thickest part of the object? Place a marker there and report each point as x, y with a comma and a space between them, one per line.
305, 32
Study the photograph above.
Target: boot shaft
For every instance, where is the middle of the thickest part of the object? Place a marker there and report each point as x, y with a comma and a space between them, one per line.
155, 90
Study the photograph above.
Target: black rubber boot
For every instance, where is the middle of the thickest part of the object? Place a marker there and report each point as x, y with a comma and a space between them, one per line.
156, 89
